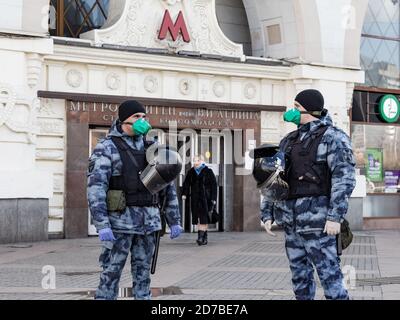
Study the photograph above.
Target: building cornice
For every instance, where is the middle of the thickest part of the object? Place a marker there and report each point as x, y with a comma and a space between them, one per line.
118, 58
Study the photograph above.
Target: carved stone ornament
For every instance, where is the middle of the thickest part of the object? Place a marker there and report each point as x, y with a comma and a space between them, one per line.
8, 105
250, 91
44, 107
151, 84
113, 81
185, 86
74, 78
138, 23
219, 89
34, 68
171, 2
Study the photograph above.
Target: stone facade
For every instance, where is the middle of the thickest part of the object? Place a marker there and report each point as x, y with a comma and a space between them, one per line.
34, 132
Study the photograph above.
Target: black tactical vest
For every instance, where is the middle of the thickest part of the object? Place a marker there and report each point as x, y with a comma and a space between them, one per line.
133, 163
306, 176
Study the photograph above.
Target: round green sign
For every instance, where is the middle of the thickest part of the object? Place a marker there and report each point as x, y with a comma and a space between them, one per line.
389, 108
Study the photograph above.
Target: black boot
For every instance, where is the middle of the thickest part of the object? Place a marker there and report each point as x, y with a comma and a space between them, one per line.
205, 238
199, 237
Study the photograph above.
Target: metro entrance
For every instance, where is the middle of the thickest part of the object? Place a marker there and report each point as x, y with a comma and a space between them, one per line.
212, 145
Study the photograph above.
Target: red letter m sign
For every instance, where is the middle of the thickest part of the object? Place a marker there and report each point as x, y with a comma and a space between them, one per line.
174, 29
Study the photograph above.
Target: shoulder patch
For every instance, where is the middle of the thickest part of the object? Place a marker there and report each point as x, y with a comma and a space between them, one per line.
348, 156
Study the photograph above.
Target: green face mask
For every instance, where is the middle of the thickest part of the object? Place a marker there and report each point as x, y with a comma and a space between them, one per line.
292, 115
141, 127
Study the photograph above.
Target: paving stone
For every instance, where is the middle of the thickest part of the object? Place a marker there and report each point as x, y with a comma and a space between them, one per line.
239, 266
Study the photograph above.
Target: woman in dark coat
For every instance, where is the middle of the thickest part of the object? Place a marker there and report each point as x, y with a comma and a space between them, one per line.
201, 185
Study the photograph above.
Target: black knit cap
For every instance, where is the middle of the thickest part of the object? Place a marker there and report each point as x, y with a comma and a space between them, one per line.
311, 100
129, 108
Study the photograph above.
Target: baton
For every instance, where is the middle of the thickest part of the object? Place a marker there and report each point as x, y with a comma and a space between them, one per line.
183, 212
158, 235
339, 244
155, 254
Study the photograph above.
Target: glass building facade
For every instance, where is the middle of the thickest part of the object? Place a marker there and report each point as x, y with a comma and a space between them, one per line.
380, 44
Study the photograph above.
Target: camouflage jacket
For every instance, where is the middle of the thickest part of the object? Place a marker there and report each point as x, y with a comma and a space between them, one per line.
310, 213
105, 162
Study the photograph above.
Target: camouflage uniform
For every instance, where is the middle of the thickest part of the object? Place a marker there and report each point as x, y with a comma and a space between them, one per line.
134, 229
304, 219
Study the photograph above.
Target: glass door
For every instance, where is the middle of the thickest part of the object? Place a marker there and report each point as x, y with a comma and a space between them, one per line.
186, 143
210, 146
94, 136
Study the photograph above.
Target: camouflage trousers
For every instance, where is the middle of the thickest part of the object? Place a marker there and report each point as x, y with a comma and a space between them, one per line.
112, 260
319, 249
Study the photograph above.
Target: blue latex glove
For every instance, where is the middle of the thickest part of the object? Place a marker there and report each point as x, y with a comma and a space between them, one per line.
277, 161
280, 159
106, 234
176, 230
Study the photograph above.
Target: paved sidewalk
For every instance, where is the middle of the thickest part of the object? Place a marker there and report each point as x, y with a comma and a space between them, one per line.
232, 266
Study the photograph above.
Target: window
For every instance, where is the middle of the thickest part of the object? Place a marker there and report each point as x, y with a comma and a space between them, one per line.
274, 34
73, 17
377, 152
95, 136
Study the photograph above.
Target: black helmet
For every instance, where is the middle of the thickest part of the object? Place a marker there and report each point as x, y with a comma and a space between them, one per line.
268, 171
164, 166
265, 150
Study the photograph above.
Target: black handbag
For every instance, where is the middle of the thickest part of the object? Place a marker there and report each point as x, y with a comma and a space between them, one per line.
344, 238
346, 234
213, 215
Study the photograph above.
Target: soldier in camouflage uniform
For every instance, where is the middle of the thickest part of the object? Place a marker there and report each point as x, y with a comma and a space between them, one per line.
133, 229
321, 179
